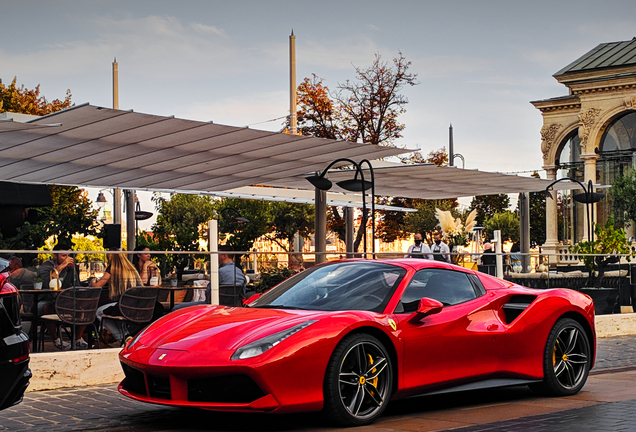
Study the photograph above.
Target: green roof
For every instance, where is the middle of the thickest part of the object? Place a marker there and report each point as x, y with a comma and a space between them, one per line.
607, 55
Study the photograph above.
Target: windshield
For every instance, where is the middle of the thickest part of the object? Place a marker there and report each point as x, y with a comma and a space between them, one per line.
358, 285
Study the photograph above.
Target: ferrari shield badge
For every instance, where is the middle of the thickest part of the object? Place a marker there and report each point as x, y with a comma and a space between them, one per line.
392, 324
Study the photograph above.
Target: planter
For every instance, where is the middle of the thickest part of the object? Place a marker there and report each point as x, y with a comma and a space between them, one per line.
605, 299
37, 285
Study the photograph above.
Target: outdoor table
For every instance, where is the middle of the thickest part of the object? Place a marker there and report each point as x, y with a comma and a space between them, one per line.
171, 289
35, 314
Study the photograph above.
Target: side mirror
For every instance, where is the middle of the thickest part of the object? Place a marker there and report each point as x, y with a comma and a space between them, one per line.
426, 307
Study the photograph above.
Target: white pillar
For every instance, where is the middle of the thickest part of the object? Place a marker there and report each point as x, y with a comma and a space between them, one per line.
213, 247
550, 247
498, 251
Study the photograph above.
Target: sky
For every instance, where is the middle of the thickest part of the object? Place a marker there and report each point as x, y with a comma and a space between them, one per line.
479, 63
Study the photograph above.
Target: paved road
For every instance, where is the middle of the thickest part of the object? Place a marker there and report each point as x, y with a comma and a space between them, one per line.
607, 403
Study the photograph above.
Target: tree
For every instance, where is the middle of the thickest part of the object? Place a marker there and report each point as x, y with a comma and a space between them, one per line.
25, 101
241, 236
623, 195
537, 215
363, 110
507, 222
181, 222
488, 205
289, 219
424, 220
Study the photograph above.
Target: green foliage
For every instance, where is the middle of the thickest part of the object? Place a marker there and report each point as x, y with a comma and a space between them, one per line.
82, 242
242, 236
507, 222
623, 195
608, 242
488, 205
271, 277
289, 219
181, 221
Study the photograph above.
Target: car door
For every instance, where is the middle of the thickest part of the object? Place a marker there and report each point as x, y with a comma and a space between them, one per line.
461, 342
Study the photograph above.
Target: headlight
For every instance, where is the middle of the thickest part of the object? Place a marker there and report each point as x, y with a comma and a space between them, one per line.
260, 346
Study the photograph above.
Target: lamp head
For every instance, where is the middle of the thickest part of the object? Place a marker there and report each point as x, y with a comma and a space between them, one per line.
242, 220
319, 182
354, 185
593, 198
101, 200
142, 215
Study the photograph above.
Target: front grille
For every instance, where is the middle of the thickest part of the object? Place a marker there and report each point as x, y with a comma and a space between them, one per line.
159, 387
224, 389
134, 381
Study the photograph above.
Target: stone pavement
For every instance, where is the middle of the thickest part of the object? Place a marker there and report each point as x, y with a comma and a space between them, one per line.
607, 403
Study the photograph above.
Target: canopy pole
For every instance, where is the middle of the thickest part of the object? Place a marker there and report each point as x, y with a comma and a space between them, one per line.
320, 237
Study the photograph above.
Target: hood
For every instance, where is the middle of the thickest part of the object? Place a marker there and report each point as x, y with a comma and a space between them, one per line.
206, 328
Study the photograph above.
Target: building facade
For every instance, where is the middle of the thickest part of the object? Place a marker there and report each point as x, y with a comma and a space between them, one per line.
590, 134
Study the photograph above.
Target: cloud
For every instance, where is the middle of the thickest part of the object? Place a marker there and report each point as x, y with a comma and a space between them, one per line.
372, 27
206, 29
337, 53
442, 66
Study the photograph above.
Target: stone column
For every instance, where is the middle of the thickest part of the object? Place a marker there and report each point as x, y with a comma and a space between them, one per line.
590, 174
550, 247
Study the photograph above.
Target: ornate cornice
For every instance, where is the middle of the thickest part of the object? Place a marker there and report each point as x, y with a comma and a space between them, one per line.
548, 133
604, 89
586, 121
630, 102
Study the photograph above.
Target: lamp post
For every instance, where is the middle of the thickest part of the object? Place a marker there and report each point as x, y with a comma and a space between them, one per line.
354, 185
588, 197
239, 220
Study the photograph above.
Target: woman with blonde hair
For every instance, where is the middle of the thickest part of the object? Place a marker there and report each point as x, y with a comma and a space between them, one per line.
120, 275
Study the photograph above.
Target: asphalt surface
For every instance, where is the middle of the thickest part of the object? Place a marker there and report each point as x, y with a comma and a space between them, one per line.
607, 403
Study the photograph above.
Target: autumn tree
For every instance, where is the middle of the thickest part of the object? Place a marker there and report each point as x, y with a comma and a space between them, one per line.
488, 205
365, 109
26, 101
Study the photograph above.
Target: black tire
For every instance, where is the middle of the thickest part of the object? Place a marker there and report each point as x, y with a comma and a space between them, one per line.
566, 360
358, 381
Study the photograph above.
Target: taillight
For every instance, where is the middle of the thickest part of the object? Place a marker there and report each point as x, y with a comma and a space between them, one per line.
25, 353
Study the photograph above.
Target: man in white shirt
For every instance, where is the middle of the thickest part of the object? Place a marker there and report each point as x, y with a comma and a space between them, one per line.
441, 251
419, 249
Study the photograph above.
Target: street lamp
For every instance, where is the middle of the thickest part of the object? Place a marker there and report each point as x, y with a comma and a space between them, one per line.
588, 197
353, 185
238, 219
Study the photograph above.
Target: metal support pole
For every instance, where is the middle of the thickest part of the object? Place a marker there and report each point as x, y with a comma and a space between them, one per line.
348, 213
524, 227
320, 237
130, 220
213, 247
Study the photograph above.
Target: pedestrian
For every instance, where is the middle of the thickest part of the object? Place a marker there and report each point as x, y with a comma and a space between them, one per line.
441, 251
419, 249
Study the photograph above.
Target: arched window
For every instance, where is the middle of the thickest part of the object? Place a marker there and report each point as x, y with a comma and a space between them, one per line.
621, 135
570, 151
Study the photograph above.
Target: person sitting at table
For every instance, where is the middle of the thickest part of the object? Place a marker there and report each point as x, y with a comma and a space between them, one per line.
63, 267
19, 276
147, 269
229, 274
120, 275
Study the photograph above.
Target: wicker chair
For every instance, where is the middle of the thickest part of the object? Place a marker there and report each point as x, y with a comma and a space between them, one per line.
137, 306
74, 307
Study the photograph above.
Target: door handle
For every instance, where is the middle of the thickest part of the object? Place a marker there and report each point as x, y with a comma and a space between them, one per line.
492, 327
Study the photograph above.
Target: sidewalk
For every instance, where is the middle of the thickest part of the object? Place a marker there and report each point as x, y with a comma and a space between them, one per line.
607, 403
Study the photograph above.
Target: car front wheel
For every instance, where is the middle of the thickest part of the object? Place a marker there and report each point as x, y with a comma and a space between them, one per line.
358, 381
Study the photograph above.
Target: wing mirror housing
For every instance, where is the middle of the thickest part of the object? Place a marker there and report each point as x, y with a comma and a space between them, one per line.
427, 307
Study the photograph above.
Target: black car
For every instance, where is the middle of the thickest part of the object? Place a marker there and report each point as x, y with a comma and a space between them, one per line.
14, 347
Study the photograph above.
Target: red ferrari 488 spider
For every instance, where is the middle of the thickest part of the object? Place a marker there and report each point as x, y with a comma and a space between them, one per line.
348, 336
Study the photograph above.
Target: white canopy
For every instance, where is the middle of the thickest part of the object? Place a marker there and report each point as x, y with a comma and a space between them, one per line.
100, 147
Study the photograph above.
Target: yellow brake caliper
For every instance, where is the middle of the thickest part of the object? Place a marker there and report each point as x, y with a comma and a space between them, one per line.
554, 354
374, 381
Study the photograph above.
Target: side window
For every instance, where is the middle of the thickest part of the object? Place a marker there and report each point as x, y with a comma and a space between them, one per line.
446, 286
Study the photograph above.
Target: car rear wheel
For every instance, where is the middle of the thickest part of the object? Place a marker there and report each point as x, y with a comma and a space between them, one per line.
566, 360
358, 381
